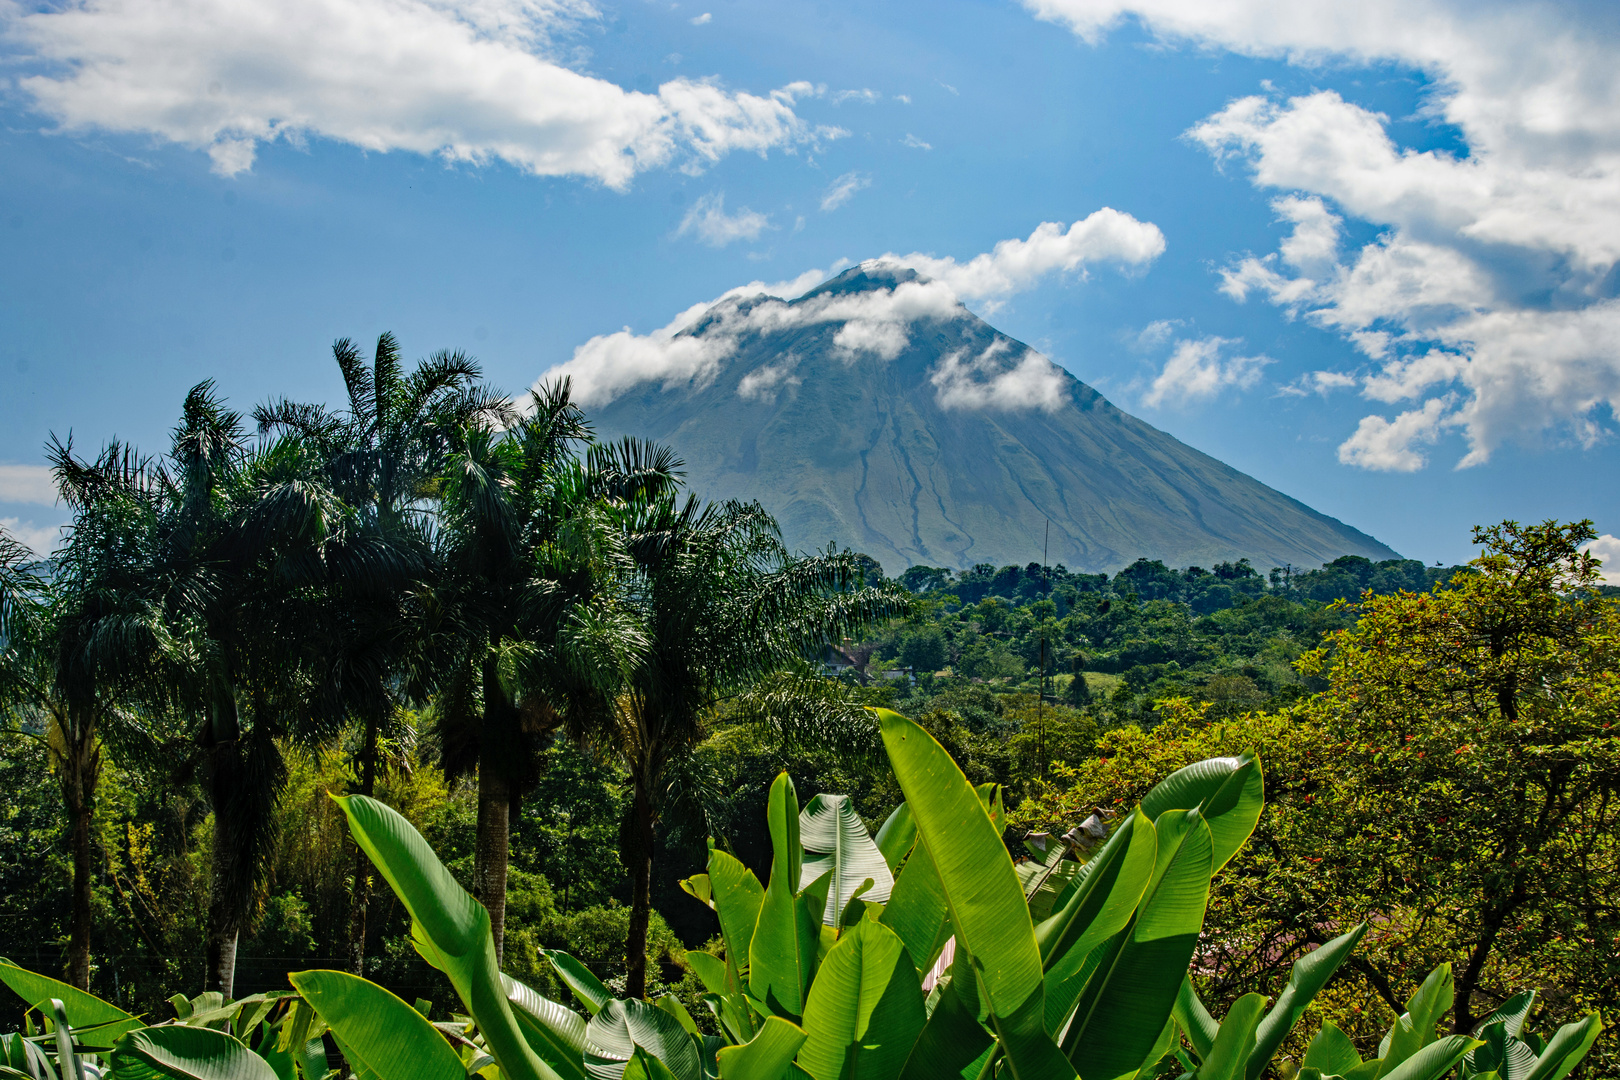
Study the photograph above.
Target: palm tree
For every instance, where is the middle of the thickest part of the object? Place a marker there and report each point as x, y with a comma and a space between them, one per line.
100, 642
520, 547
382, 457
720, 604
242, 544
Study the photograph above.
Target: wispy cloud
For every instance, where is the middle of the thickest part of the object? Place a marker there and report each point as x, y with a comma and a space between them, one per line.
1197, 371
27, 484
708, 221
703, 19
843, 189
915, 143
859, 97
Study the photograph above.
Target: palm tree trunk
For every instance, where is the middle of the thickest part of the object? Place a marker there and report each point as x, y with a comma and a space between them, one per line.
221, 737
640, 859
79, 775
360, 892
492, 851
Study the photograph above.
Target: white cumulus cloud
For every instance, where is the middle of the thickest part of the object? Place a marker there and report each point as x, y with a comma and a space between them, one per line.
762, 383
1607, 548
709, 222
692, 347
1107, 235
1197, 371
39, 539
991, 380
702, 20
841, 190
27, 484
1493, 274
471, 82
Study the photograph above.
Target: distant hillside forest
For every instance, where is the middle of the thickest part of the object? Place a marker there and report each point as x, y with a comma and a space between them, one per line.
1228, 635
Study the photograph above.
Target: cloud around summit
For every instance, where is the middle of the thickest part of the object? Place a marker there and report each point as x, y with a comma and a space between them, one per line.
873, 323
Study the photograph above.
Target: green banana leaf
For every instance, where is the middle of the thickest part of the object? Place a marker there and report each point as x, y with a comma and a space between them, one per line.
737, 896
1332, 1052
955, 1041
986, 905
783, 950
767, 1056
1433, 1060
100, 1020
865, 1008
1229, 791
643, 1066
1099, 905
555, 1032
1565, 1049
1501, 1055
1132, 993
614, 1034
917, 910
1202, 1029
578, 978
835, 841
896, 837
181, 1052
448, 927
1512, 1013
1310, 973
385, 1035
23, 1057
1169, 1038
1235, 1040
1414, 1029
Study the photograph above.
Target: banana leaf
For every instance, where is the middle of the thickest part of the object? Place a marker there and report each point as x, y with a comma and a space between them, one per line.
986, 905
614, 1034
102, 1021
767, 1056
865, 1008
896, 836
835, 841
448, 927
1134, 988
783, 950
182, 1052
383, 1034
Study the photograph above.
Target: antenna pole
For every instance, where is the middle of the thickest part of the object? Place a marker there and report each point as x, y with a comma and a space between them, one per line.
1040, 686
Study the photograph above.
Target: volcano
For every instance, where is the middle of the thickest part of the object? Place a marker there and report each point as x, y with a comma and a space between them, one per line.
877, 412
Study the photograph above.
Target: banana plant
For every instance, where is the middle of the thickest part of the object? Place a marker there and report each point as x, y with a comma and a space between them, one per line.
1057, 971
1086, 986
1510, 1053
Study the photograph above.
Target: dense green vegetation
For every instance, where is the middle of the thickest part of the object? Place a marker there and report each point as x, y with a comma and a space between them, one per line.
579, 684
836, 966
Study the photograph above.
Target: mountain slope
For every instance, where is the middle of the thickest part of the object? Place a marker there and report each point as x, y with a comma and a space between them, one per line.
868, 414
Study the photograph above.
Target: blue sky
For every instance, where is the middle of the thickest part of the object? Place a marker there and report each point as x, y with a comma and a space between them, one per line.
1389, 230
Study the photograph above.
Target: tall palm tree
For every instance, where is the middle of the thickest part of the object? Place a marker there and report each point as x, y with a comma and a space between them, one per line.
520, 547
243, 540
100, 643
382, 457
720, 604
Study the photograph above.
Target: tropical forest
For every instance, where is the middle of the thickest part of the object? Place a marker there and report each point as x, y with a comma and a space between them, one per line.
433, 734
